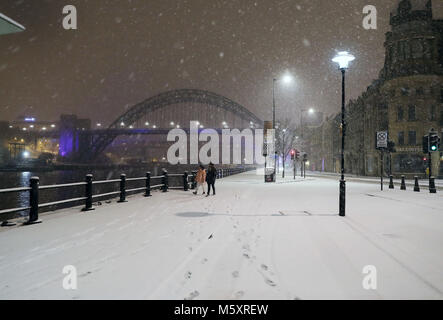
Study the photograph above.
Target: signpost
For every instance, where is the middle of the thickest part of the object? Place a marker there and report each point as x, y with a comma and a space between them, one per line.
382, 145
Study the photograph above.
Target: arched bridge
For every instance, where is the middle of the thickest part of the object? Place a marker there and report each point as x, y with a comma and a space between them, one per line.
176, 109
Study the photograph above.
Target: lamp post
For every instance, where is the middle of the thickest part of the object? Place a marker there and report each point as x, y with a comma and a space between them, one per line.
343, 59
284, 152
286, 79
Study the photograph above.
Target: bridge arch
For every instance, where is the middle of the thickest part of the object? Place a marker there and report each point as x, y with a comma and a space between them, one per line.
165, 99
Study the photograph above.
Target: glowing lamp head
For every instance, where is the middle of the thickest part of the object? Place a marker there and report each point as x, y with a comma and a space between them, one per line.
343, 59
287, 79
26, 154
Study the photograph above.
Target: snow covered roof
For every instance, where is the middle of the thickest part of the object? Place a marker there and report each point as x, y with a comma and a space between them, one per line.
7, 25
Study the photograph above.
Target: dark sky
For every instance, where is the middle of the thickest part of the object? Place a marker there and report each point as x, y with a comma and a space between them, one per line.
128, 50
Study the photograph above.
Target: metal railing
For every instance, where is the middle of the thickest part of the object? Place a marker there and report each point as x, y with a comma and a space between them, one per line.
187, 182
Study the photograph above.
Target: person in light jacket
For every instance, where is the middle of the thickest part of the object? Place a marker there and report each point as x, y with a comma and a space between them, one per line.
201, 179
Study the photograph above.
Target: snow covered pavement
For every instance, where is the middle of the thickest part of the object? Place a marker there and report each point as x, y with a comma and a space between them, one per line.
251, 241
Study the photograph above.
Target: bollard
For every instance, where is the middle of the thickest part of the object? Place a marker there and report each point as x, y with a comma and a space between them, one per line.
194, 183
148, 184
403, 183
391, 182
165, 181
416, 185
185, 181
122, 188
33, 201
432, 188
88, 193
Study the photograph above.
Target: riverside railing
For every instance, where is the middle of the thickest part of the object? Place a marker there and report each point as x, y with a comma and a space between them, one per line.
186, 181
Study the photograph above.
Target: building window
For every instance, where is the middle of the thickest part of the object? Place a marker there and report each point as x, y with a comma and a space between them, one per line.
420, 91
411, 113
433, 113
401, 138
405, 91
412, 137
400, 114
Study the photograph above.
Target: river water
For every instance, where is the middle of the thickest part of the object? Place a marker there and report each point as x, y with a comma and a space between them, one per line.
21, 179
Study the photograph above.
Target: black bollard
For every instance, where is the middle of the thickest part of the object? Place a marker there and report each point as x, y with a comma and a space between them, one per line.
148, 184
88, 193
416, 185
122, 188
403, 183
185, 181
432, 188
165, 181
33, 201
391, 182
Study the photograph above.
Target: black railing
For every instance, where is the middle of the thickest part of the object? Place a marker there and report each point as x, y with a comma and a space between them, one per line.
183, 181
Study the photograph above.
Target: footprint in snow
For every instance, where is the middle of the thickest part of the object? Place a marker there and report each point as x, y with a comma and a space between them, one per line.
204, 261
246, 256
264, 267
269, 282
193, 295
235, 274
188, 275
239, 294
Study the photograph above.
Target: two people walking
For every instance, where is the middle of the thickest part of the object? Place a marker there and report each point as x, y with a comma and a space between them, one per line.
206, 177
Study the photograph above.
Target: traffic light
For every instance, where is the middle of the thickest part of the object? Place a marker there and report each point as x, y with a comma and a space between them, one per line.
297, 154
434, 143
391, 147
426, 144
292, 154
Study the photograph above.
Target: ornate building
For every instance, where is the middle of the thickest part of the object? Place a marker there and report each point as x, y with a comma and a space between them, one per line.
406, 100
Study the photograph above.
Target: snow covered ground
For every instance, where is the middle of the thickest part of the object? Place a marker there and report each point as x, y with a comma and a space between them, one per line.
251, 241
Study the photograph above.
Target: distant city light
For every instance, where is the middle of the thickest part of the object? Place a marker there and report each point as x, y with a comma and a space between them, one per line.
30, 119
26, 154
31, 126
44, 128
122, 124
154, 126
10, 127
52, 125
311, 111
24, 129
146, 123
99, 124
131, 127
172, 123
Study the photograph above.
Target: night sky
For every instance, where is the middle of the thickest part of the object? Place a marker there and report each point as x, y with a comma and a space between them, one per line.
128, 50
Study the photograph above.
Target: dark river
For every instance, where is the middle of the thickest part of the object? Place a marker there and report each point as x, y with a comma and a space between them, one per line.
21, 179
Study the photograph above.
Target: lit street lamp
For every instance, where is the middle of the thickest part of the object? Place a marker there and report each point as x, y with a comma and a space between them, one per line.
287, 79
343, 59
310, 111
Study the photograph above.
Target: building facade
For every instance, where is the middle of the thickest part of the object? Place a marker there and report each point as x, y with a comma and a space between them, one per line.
406, 101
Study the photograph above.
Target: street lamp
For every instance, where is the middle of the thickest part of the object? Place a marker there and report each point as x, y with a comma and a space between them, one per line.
310, 111
343, 59
284, 153
287, 79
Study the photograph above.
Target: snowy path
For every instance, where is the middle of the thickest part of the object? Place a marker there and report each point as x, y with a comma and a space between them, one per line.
251, 241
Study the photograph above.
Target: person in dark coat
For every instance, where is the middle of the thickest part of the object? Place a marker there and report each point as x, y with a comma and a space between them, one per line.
211, 176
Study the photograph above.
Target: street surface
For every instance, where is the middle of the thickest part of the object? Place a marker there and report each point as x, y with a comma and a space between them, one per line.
251, 241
